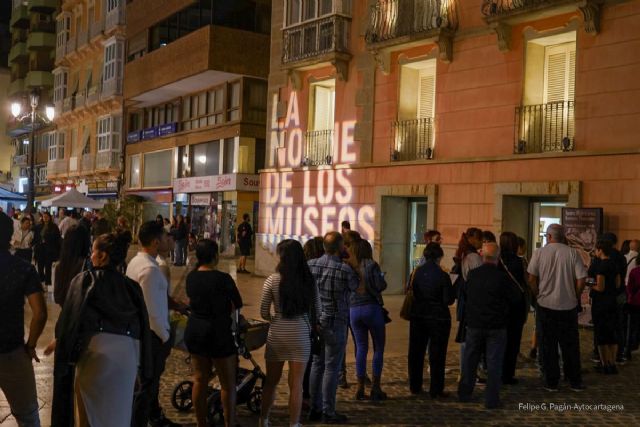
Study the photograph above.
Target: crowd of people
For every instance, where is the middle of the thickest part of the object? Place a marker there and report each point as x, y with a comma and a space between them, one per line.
113, 336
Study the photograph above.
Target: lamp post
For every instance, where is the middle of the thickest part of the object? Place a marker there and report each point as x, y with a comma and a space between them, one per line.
34, 117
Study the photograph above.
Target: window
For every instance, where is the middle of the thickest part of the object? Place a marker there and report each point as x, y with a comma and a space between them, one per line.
203, 109
113, 66
63, 28
233, 112
60, 136
113, 5
134, 171
157, 169
49, 139
228, 164
306, 10
108, 133
323, 105
257, 101
60, 80
42, 176
206, 159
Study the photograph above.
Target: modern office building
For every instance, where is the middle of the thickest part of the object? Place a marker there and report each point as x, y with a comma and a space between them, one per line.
31, 60
85, 150
403, 116
195, 92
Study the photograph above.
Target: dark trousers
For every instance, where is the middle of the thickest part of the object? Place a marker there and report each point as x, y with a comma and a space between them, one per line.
25, 254
44, 263
512, 349
492, 342
146, 405
435, 334
560, 328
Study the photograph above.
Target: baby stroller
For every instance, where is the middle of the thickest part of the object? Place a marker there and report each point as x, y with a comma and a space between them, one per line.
249, 335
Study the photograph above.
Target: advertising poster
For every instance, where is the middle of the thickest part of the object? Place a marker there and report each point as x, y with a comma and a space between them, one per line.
582, 227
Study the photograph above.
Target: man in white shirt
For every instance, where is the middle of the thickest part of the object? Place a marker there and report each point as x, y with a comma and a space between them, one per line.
144, 269
557, 278
65, 222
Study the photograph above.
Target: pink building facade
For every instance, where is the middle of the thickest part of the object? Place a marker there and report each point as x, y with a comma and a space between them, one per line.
407, 115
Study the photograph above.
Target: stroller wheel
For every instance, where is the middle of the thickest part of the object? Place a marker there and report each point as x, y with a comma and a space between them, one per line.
254, 403
181, 397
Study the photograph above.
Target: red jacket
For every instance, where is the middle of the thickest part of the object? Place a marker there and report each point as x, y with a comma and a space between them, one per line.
633, 287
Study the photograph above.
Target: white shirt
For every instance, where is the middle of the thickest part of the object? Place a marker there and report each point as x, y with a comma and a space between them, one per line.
22, 239
65, 224
144, 269
557, 267
631, 264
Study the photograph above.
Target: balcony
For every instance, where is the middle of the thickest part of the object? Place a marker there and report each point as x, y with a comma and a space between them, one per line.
108, 160
21, 160
16, 87
502, 14
18, 51
20, 17
68, 104
39, 41
318, 148
88, 163
413, 139
93, 95
71, 45
324, 40
39, 79
412, 22
43, 6
83, 38
80, 99
96, 28
73, 165
115, 18
545, 128
112, 87
56, 167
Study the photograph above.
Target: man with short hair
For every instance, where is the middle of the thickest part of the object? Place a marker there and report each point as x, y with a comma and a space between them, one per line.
244, 241
335, 280
100, 226
19, 280
64, 222
345, 226
144, 269
557, 277
489, 296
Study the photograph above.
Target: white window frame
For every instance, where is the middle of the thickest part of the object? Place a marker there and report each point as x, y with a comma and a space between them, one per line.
112, 5
113, 61
301, 12
329, 119
60, 82
50, 142
108, 131
63, 29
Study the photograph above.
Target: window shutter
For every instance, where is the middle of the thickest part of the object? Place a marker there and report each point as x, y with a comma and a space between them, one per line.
324, 106
560, 73
426, 93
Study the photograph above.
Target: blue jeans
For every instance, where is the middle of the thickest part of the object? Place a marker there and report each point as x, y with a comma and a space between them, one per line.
365, 320
492, 342
326, 366
179, 251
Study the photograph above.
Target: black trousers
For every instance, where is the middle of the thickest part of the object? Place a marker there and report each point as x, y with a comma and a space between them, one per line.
44, 263
560, 328
435, 334
512, 349
146, 404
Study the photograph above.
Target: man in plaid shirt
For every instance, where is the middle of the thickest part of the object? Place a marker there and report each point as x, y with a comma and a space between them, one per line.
335, 280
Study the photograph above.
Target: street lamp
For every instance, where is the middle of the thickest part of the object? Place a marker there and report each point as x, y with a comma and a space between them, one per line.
34, 119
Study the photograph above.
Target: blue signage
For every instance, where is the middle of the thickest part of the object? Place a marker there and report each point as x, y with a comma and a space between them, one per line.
133, 137
167, 129
149, 133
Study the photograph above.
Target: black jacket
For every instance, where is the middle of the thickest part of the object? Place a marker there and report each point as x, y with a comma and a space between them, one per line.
432, 293
514, 264
490, 294
97, 300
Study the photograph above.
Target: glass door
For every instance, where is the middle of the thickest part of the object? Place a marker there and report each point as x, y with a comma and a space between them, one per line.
417, 226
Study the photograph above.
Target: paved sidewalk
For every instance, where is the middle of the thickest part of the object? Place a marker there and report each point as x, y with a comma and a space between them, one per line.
402, 409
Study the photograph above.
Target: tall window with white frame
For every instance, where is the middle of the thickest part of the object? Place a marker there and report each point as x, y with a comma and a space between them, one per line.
63, 30
108, 138
113, 67
319, 137
60, 80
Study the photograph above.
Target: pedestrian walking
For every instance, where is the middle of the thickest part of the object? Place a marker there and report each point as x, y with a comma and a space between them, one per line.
244, 234
102, 338
19, 281
49, 251
144, 269
293, 294
430, 322
74, 258
367, 317
335, 280
100, 225
180, 236
489, 295
557, 278
213, 296
22, 240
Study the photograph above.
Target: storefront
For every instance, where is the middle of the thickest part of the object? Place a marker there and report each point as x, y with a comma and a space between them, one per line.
216, 204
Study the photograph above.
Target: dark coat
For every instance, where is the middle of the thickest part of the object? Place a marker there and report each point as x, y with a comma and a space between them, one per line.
432, 293
51, 242
72, 340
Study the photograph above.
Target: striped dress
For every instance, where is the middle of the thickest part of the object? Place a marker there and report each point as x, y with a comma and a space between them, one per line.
289, 339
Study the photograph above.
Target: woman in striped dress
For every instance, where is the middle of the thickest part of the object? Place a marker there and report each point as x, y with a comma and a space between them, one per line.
293, 294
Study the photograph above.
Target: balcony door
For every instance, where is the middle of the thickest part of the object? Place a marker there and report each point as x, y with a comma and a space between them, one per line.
559, 93
319, 138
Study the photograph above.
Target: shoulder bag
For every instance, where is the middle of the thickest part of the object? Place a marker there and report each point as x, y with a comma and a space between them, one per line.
407, 304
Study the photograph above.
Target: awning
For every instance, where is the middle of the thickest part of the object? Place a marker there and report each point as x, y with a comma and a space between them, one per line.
8, 196
73, 199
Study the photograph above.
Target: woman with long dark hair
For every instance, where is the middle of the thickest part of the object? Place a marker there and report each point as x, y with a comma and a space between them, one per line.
367, 317
293, 294
50, 247
513, 265
213, 296
102, 338
73, 259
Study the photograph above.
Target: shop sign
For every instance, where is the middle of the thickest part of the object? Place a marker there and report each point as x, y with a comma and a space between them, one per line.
62, 188
582, 227
167, 129
214, 183
201, 199
133, 137
149, 133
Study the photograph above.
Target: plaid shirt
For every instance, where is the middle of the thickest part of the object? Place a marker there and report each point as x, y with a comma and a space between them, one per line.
335, 280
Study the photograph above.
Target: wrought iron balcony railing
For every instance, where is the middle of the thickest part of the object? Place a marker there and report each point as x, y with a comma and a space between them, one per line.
545, 127
390, 19
491, 8
413, 139
318, 148
314, 38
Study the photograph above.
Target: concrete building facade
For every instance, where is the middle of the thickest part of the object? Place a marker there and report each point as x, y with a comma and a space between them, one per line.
403, 116
195, 94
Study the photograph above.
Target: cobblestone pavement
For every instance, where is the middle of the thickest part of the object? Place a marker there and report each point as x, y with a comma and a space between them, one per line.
403, 409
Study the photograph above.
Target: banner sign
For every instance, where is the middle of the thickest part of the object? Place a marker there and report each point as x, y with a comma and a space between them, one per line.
215, 183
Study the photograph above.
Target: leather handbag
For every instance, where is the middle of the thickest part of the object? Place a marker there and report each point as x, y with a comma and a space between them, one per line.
407, 304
